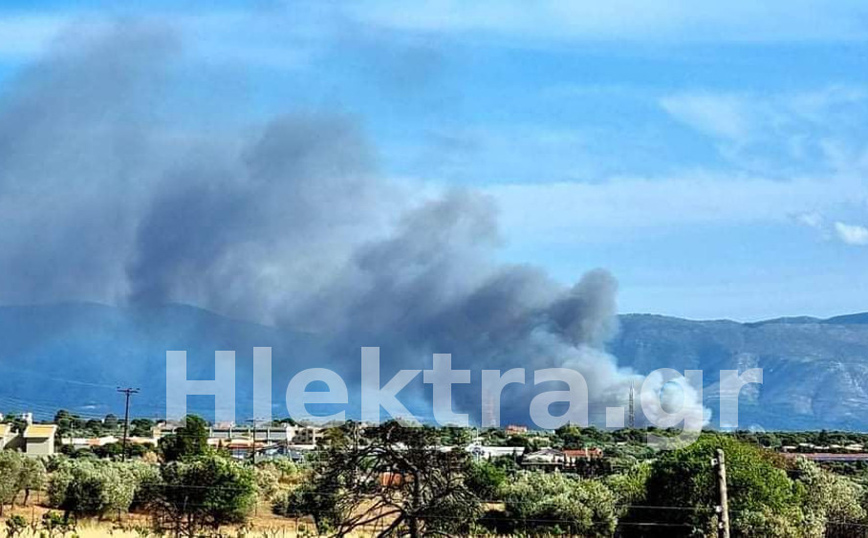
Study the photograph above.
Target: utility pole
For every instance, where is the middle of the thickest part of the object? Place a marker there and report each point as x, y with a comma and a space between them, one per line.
127, 392
253, 421
723, 507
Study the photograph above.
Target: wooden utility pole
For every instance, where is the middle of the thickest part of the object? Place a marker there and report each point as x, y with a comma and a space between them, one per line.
254, 421
127, 392
723, 506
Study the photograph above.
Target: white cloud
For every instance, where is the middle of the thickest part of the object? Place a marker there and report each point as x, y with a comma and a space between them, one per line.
780, 132
812, 220
720, 115
849, 234
737, 115
579, 212
852, 234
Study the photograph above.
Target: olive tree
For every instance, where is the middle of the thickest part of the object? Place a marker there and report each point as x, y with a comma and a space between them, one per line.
87, 487
11, 464
32, 476
557, 503
205, 492
828, 498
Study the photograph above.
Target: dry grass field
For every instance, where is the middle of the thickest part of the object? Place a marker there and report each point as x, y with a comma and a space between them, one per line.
262, 524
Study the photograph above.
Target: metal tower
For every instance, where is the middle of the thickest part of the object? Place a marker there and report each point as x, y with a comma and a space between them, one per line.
631, 418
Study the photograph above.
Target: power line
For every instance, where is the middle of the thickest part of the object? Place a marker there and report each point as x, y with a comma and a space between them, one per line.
57, 379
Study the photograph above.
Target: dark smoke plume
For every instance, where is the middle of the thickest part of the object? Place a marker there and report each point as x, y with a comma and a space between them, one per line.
105, 199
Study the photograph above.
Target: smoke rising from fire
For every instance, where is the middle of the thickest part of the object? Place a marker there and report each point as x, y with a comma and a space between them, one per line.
107, 198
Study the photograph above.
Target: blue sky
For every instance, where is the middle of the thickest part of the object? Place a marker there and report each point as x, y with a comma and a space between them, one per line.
711, 155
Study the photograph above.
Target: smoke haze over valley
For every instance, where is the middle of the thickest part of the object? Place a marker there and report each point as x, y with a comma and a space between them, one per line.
72, 356
160, 189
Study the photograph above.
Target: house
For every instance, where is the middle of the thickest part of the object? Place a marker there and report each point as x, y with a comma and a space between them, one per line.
39, 439
242, 448
583, 454
89, 442
827, 457
304, 435
514, 429
544, 458
390, 479
8, 437
488, 452
152, 441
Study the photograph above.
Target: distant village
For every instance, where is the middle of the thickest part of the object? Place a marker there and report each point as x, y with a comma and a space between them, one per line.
282, 440
536, 449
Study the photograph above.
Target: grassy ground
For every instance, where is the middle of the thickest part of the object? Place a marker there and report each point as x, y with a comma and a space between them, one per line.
262, 524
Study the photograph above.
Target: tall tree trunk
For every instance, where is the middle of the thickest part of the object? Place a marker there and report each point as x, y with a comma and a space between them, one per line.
417, 502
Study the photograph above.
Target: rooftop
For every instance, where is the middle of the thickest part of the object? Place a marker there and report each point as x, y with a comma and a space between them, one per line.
40, 431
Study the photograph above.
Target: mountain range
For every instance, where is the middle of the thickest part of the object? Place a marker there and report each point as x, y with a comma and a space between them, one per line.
74, 355
815, 371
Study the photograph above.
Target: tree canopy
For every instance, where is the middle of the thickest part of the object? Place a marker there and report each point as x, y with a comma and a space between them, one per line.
204, 492
188, 441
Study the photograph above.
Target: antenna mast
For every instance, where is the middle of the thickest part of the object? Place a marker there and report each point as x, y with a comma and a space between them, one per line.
632, 417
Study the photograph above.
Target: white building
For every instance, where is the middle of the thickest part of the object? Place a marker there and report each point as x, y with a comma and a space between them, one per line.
39, 439
8, 437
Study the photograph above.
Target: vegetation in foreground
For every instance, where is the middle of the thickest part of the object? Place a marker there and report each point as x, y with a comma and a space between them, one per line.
392, 480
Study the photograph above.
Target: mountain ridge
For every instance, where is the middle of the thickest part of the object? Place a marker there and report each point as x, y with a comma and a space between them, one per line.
74, 354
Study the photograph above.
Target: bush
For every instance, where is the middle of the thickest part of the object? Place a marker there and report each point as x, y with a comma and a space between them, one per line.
485, 480
309, 499
148, 480
827, 497
92, 487
556, 502
291, 502
267, 481
11, 465
630, 487
208, 491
